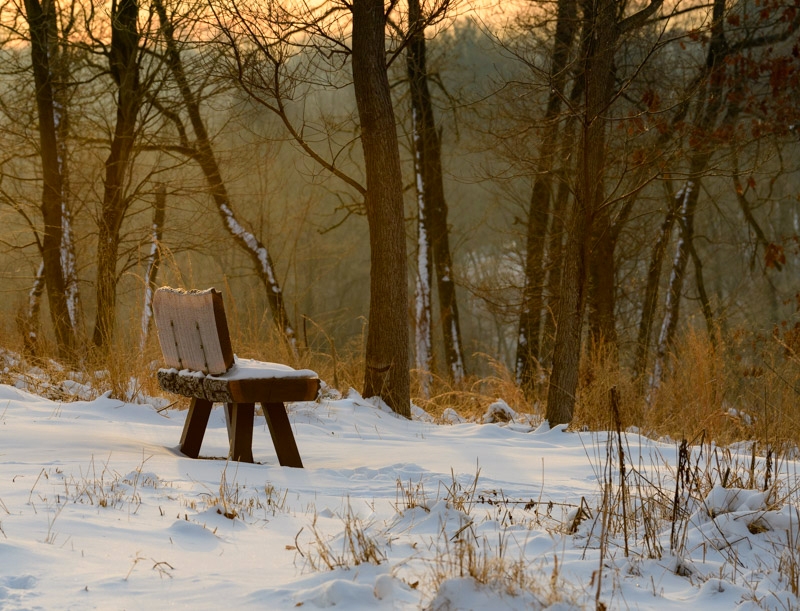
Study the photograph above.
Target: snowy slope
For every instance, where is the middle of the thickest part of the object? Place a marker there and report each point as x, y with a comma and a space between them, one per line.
98, 510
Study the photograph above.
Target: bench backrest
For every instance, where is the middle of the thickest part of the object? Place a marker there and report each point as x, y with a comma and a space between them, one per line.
193, 330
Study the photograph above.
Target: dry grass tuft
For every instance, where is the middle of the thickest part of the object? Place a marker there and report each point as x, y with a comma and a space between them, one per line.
692, 397
352, 547
600, 373
742, 388
471, 397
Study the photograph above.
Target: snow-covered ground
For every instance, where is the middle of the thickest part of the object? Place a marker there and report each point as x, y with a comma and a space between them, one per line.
99, 510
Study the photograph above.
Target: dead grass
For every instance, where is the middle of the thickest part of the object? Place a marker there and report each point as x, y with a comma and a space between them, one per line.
744, 388
355, 545
471, 397
600, 372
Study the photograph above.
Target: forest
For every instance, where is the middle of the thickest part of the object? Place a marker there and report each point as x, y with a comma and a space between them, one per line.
587, 208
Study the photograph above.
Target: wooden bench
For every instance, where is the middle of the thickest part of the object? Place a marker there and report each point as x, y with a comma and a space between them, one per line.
196, 344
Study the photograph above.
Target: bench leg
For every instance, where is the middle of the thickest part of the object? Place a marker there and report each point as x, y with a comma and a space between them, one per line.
229, 421
240, 430
195, 427
282, 437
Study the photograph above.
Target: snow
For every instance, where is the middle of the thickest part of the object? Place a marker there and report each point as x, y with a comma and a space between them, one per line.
248, 369
99, 510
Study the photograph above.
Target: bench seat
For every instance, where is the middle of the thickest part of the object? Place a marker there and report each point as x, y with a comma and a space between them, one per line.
247, 381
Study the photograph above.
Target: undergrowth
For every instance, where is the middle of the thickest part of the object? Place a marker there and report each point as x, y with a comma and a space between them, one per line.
742, 387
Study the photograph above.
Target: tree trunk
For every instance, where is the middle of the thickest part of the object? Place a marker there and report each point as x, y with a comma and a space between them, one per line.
701, 155
153, 262
204, 155
430, 191
529, 342
601, 32
41, 23
69, 261
61, 85
705, 302
28, 320
651, 291
563, 386
602, 286
688, 196
600, 36
386, 373
123, 60
558, 228
555, 265
422, 297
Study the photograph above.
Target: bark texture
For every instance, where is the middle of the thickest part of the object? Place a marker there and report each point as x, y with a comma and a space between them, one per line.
124, 65
529, 339
387, 352
602, 285
41, 20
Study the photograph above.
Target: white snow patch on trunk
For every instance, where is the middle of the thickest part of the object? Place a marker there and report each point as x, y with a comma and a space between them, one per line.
423, 340
68, 264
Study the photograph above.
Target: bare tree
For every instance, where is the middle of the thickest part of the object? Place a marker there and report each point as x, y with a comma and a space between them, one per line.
386, 368
203, 153
41, 19
433, 243
602, 28
124, 57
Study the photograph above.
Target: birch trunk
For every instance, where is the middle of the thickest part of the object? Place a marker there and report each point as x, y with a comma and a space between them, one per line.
688, 196
41, 22
153, 262
430, 193
422, 297
28, 320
